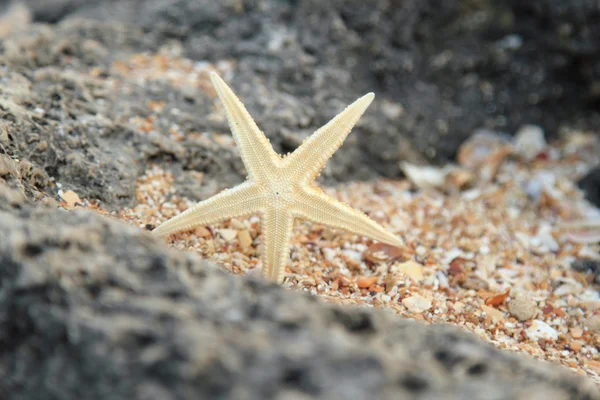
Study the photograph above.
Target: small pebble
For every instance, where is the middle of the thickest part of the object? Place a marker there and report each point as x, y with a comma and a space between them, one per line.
421, 250
484, 152
576, 345
71, 198
201, 231
495, 314
412, 269
541, 330
545, 238
391, 282
576, 332
352, 256
329, 254
365, 282
593, 323
529, 142
522, 307
236, 224
328, 234
425, 176
245, 239
416, 304
228, 234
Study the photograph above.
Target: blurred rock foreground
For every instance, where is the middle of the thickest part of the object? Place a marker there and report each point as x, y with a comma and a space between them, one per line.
96, 309
92, 93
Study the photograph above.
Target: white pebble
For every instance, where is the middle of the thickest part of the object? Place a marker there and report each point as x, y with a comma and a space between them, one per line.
416, 303
541, 330
529, 142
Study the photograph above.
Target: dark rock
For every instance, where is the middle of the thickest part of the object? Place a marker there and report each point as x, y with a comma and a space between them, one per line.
588, 266
590, 184
93, 309
440, 70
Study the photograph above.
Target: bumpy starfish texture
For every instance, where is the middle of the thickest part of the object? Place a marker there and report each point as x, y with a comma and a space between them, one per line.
280, 188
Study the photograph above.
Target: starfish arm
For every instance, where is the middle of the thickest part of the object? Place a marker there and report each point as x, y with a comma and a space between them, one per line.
316, 206
308, 160
277, 225
256, 151
242, 200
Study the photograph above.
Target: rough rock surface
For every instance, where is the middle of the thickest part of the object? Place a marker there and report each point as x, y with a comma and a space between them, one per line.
94, 309
440, 71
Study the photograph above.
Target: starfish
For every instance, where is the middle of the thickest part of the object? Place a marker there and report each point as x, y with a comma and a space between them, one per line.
280, 188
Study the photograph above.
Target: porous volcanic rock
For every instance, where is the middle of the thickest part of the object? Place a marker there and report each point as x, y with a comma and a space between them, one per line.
92, 308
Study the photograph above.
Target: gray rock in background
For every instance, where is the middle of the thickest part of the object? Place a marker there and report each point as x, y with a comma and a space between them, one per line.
92, 308
455, 65
440, 70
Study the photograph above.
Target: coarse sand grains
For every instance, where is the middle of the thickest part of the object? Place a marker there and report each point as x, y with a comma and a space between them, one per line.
491, 254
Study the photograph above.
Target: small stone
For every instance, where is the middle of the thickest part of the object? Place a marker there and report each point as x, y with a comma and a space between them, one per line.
236, 224
458, 306
541, 330
425, 176
460, 178
365, 282
244, 238
442, 279
391, 282
71, 198
572, 301
416, 304
352, 258
497, 299
586, 265
201, 231
529, 142
494, 313
576, 345
412, 269
381, 252
566, 289
327, 234
484, 152
534, 189
329, 254
228, 234
576, 332
522, 307
593, 323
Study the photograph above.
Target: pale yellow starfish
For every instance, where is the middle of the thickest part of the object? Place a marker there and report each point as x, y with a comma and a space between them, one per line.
280, 188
